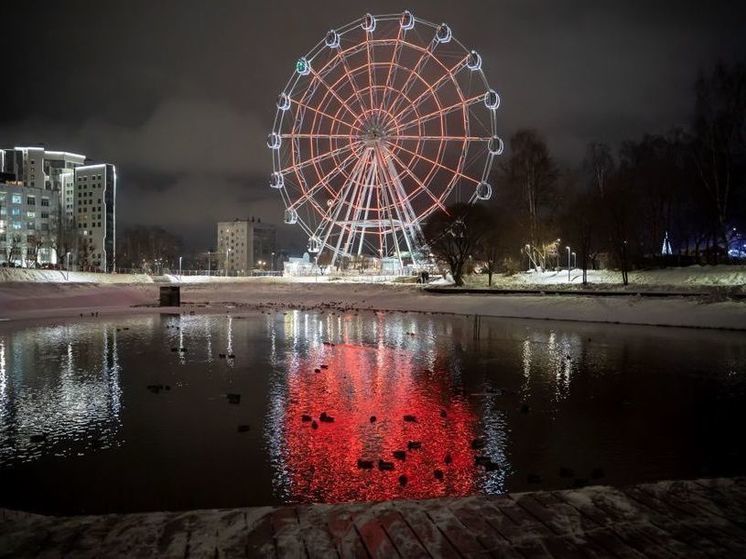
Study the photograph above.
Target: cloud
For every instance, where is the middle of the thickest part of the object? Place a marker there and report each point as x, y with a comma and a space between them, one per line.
189, 162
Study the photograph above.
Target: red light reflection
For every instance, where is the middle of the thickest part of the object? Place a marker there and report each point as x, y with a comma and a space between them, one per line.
358, 382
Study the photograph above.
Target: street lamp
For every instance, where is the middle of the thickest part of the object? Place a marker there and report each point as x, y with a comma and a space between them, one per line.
180, 257
568, 263
574, 260
67, 264
272, 265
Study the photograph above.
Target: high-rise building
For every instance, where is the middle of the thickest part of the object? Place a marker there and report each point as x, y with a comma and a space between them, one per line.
83, 196
28, 225
94, 210
246, 245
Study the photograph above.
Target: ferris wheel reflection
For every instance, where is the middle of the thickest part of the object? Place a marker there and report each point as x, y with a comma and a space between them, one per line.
355, 418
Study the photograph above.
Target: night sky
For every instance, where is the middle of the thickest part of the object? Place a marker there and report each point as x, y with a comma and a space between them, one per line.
180, 95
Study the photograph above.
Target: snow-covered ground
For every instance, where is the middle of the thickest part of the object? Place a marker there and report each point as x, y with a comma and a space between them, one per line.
27, 301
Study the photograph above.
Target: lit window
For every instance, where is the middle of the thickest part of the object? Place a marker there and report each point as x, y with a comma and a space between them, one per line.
17, 199
15, 211
31, 214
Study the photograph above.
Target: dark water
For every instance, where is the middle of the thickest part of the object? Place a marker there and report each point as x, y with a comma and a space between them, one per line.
80, 431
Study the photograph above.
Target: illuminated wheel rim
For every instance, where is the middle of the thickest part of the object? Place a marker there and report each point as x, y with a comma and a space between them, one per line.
385, 121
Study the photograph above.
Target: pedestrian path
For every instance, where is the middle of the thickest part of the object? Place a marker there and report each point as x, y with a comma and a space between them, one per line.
702, 518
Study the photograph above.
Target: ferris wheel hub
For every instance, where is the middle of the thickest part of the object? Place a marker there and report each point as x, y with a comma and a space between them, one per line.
374, 134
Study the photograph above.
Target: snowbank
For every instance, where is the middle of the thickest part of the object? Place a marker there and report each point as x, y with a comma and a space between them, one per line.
690, 276
60, 276
676, 311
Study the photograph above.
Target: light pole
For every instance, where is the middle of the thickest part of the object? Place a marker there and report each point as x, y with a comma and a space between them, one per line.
67, 264
568, 263
574, 260
180, 257
209, 263
272, 265
225, 266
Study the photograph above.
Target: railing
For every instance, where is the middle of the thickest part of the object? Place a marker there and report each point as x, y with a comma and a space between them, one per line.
205, 273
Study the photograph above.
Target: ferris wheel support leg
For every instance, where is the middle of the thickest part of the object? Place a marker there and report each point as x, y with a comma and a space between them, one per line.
355, 224
326, 225
354, 202
389, 204
365, 219
400, 204
410, 222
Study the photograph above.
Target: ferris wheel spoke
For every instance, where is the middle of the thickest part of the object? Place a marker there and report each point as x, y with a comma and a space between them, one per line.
321, 157
322, 113
440, 165
333, 93
317, 136
404, 91
441, 138
308, 194
371, 84
351, 79
432, 90
393, 66
441, 112
422, 186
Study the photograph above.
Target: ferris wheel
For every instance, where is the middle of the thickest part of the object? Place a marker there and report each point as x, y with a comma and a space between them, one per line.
385, 121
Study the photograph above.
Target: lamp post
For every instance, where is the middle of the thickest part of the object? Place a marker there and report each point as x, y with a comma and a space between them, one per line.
209, 263
568, 263
180, 257
67, 264
574, 260
272, 265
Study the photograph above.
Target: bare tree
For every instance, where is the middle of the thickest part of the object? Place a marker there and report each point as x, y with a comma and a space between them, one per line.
67, 233
531, 174
456, 235
323, 261
598, 166
719, 134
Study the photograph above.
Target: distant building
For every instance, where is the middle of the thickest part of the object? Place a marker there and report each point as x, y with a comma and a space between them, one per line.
82, 202
246, 245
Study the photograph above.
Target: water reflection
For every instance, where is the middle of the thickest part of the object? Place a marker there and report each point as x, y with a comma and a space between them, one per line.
81, 402
74, 406
368, 374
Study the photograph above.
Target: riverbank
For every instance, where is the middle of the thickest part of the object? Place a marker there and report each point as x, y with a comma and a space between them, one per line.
31, 301
704, 518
